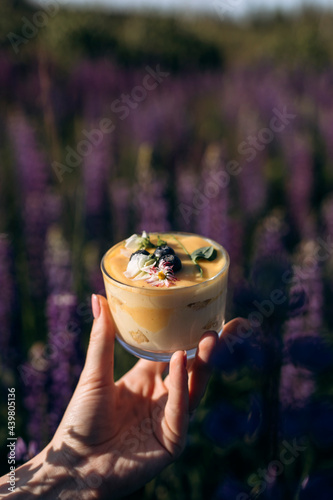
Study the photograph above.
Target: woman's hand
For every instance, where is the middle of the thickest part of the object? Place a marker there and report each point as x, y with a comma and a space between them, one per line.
116, 436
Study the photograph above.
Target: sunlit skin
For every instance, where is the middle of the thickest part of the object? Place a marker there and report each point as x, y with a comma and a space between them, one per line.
116, 436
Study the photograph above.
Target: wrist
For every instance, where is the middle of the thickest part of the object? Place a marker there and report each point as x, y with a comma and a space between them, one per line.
51, 475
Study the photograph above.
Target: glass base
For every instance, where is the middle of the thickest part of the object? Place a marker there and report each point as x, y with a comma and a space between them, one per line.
156, 356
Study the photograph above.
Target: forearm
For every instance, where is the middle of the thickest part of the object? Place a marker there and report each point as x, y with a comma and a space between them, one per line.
46, 476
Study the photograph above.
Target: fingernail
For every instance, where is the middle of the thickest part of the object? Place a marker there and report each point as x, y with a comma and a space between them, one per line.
185, 359
96, 307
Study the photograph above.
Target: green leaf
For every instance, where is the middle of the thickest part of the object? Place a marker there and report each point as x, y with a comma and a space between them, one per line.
207, 253
146, 243
160, 242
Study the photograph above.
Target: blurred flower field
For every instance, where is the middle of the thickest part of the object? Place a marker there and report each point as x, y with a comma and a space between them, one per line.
242, 153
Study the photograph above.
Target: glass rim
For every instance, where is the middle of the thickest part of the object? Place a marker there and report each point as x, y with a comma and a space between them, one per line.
171, 289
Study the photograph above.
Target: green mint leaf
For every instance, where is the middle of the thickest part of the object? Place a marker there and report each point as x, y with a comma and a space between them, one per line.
160, 242
207, 253
146, 243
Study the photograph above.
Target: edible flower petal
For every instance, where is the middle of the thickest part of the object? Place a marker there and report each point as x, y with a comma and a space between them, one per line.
136, 242
133, 242
138, 266
161, 275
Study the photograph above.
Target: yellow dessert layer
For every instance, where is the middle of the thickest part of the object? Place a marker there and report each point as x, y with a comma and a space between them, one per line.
116, 261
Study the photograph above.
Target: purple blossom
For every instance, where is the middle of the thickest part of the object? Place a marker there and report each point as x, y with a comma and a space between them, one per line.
212, 221
312, 353
150, 203
120, 207
297, 386
298, 152
253, 185
96, 173
327, 215
7, 291
63, 327
326, 127
65, 362
31, 165
307, 277
95, 85
23, 453
154, 120
186, 182
235, 250
34, 374
57, 262
32, 173
269, 236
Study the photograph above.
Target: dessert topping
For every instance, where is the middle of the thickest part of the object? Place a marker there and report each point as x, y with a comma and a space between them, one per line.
136, 242
139, 252
172, 260
138, 266
159, 268
161, 274
207, 253
163, 250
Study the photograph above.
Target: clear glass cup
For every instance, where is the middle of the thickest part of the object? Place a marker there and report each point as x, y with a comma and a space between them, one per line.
153, 323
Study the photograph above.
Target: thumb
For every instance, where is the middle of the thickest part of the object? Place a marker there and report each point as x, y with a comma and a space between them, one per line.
99, 363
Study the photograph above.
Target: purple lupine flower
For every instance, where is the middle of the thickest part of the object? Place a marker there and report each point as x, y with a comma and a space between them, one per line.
253, 185
327, 215
326, 127
150, 203
298, 152
266, 320
6, 300
31, 165
212, 221
34, 374
186, 182
120, 208
235, 250
94, 85
24, 452
297, 378
92, 267
297, 386
154, 119
311, 352
96, 172
234, 95
65, 363
269, 236
63, 326
57, 262
308, 277
6, 73
32, 173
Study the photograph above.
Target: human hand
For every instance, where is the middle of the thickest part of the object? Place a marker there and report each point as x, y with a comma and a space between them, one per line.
116, 436
125, 432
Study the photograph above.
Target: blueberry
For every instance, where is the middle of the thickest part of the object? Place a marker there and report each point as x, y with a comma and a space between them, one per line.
163, 250
173, 260
143, 252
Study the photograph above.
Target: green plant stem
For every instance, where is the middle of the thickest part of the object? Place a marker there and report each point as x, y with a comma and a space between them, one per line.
188, 253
